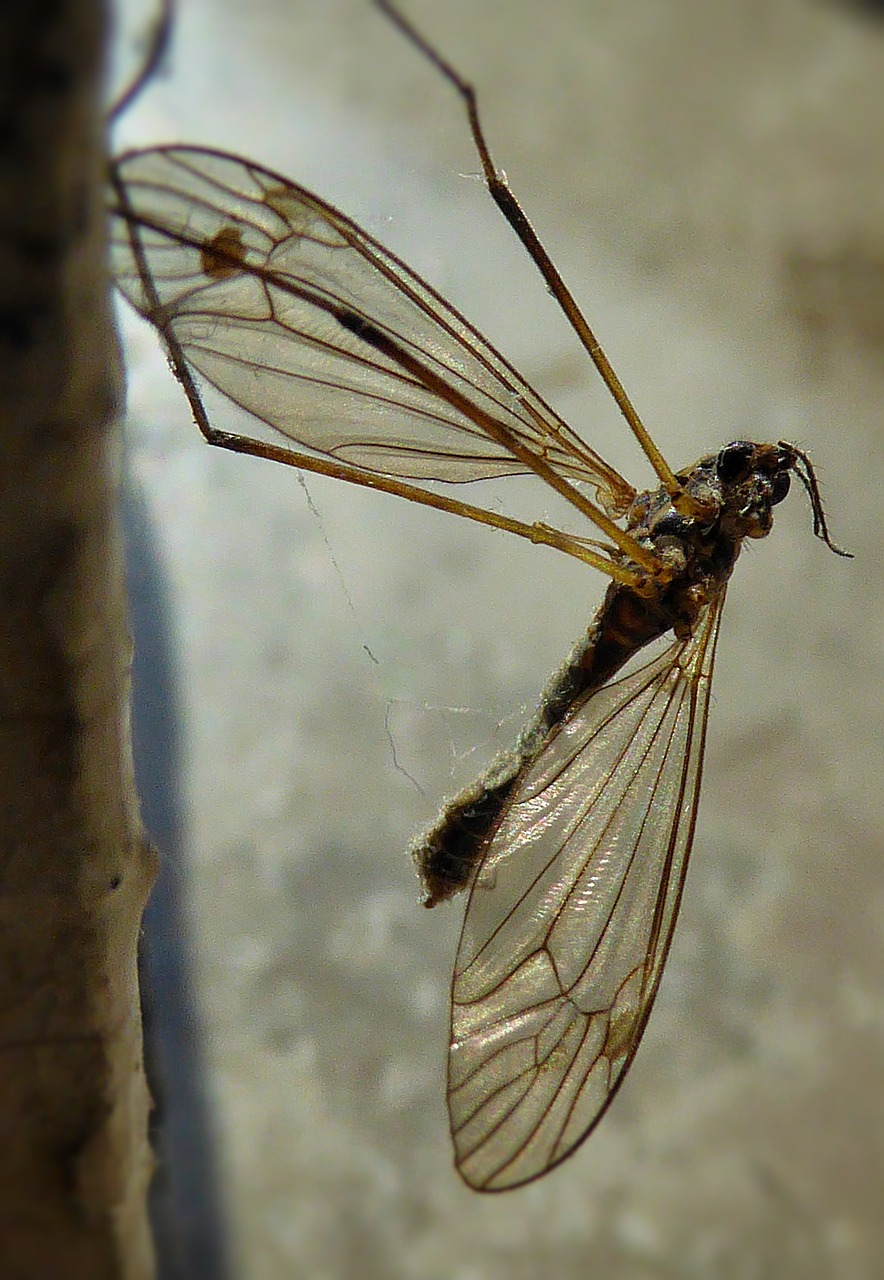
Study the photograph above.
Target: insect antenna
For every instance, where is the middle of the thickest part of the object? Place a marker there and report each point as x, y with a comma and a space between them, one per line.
807, 476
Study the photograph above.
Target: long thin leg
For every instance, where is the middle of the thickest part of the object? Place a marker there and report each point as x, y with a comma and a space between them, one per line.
503, 197
586, 550
157, 47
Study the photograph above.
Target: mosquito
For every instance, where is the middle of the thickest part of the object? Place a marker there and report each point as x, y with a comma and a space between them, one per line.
574, 846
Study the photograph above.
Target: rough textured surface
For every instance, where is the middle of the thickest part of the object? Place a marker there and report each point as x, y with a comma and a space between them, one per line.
708, 177
74, 872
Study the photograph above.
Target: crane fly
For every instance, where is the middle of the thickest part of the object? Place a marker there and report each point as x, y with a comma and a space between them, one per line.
574, 846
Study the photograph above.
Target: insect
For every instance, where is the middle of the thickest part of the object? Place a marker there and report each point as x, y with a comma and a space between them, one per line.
574, 846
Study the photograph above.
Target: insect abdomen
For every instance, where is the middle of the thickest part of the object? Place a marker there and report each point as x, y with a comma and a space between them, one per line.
448, 854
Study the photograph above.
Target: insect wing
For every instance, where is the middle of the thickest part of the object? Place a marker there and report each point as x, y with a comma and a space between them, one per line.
570, 918
265, 288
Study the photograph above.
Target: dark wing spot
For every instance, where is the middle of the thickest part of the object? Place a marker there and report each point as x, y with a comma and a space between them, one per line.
223, 256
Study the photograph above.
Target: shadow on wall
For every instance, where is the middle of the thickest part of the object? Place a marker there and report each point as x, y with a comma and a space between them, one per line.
185, 1202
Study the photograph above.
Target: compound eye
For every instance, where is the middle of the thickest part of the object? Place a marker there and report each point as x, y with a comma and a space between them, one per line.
780, 487
733, 461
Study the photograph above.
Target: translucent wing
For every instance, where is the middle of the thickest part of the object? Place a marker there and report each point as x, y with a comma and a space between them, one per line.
570, 918
271, 293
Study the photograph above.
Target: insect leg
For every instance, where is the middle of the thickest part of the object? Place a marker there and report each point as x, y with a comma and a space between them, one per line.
504, 198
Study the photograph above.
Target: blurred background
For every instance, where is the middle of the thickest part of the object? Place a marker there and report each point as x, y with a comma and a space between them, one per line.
318, 667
